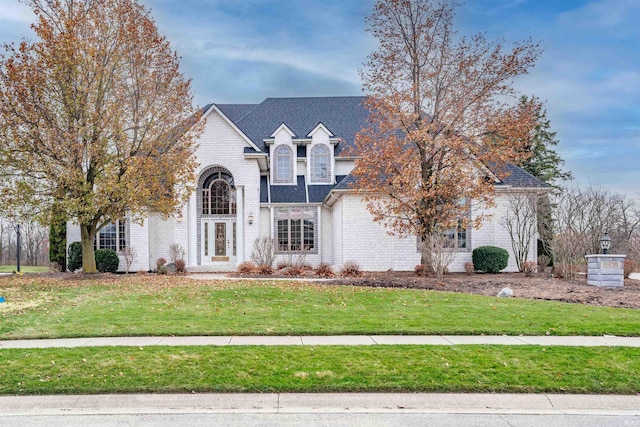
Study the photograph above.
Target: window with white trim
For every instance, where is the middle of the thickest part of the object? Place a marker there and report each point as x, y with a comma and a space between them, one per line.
457, 235
320, 163
296, 229
283, 164
112, 236
219, 194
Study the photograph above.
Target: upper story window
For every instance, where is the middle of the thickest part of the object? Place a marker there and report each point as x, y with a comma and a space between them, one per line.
219, 195
320, 163
283, 164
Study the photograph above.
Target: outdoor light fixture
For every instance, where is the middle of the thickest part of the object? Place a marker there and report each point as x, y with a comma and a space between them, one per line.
250, 218
605, 243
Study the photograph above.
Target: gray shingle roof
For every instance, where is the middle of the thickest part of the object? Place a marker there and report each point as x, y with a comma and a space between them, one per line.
344, 116
235, 112
518, 177
289, 193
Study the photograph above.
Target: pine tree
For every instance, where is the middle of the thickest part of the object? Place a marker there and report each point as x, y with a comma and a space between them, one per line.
545, 163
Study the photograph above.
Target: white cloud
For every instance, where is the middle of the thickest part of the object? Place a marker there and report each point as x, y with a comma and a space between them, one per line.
614, 15
293, 59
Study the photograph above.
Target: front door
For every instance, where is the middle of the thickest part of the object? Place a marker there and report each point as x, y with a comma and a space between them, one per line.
219, 240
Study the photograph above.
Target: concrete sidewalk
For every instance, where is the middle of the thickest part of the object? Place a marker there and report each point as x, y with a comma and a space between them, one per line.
581, 341
470, 403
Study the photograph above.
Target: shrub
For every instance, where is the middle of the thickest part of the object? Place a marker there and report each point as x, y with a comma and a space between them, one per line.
161, 268
294, 271
282, 265
490, 259
181, 266
129, 255
544, 261
528, 268
468, 268
176, 252
629, 267
74, 260
246, 267
418, 270
264, 269
107, 260
324, 270
264, 251
351, 269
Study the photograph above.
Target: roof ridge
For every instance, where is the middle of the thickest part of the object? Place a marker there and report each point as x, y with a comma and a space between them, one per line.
315, 97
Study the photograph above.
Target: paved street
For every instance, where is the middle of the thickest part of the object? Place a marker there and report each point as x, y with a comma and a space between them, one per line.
353, 409
324, 420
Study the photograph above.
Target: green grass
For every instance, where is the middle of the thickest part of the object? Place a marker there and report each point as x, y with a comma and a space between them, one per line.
39, 307
23, 269
522, 369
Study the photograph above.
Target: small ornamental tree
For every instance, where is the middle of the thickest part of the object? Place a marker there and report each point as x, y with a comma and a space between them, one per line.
92, 116
440, 130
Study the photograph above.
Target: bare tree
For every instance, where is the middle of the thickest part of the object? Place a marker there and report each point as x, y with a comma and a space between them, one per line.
33, 243
592, 211
440, 250
521, 224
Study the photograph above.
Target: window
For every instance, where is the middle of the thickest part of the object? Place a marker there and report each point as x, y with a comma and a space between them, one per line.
112, 236
458, 236
219, 195
320, 163
296, 230
283, 164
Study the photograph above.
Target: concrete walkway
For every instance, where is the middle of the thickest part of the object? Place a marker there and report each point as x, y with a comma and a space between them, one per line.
582, 341
464, 403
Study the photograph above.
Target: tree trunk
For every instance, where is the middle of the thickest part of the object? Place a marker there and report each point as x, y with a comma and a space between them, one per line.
88, 234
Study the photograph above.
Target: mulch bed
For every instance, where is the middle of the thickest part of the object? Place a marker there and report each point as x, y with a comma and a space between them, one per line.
539, 287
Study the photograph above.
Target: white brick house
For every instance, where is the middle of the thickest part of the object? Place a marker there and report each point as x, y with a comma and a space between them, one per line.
277, 169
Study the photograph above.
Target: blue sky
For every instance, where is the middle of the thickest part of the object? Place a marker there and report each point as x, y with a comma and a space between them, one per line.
241, 51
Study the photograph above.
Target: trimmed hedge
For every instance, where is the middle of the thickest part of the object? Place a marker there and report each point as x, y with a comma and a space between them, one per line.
490, 259
107, 261
74, 260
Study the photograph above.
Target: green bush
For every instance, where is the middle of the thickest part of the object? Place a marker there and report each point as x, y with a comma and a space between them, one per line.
58, 244
74, 260
490, 259
107, 261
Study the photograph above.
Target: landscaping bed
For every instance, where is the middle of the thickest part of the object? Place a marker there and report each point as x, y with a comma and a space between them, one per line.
539, 287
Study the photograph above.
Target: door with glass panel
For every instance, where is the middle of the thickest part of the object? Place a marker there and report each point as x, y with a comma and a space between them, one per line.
219, 240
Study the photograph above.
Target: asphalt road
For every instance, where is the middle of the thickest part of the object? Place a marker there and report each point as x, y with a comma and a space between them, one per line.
316, 420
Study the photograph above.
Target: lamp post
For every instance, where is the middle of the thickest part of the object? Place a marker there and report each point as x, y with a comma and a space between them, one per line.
605, 243
18, 243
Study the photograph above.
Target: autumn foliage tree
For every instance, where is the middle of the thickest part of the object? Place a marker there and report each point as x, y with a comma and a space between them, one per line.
441, 127
91, 115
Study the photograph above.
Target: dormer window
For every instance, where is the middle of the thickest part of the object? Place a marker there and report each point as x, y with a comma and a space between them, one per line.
320, 163
283, 162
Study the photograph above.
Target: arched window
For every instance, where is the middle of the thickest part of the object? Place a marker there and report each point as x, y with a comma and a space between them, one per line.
219, 194
320, 163
283, 162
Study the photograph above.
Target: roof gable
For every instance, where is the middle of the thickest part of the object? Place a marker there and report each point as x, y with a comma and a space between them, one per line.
345, 116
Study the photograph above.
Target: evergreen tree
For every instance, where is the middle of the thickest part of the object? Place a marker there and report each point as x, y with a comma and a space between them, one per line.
545, 163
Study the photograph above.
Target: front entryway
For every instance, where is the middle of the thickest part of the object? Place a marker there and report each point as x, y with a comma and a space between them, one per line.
219, 241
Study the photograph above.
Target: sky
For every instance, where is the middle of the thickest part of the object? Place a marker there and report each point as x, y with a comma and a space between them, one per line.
242, 51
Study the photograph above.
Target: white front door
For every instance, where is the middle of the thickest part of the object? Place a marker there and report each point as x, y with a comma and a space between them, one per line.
219, 241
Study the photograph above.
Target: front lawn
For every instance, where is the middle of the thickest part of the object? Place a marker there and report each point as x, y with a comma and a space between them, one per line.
44, 307
504, 369
23, 269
